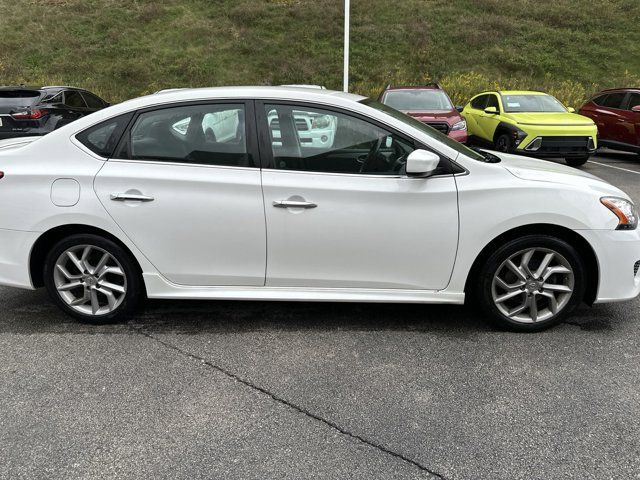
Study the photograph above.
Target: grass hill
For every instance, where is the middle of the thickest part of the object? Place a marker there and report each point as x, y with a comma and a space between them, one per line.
125, 48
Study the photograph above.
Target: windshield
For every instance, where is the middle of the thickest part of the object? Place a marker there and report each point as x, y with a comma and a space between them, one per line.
531, 103
407, 100
426, 129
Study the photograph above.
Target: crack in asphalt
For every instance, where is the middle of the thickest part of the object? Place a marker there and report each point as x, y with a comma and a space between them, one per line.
289, 404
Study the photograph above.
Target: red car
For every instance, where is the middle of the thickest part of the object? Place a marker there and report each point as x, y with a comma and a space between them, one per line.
430, 104
617, 115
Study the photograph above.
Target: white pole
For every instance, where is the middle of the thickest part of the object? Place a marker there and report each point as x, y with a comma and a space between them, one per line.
345, 82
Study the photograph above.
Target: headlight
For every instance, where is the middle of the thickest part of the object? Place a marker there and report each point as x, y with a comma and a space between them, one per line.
461, 125
624, 210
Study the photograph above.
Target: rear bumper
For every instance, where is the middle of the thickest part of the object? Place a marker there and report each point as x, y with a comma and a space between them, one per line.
15, 250
617, 252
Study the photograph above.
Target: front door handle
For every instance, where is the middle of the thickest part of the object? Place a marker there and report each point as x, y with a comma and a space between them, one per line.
127, 197
293, 204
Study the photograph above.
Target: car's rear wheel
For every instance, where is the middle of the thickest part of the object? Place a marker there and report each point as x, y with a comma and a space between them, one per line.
531, 283
576, 161
92, 278
504, 143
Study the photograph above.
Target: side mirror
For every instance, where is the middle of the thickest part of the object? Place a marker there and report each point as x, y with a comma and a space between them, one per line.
491, 110
571, 110
636, 109
459, 108
422, 163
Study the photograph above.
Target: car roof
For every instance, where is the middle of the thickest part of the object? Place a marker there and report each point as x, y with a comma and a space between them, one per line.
520, 92
620, 89
426, 86
244, 92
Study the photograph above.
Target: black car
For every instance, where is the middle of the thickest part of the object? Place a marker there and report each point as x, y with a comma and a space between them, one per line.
33, 111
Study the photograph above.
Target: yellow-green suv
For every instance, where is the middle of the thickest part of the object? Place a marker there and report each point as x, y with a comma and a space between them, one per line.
530, 123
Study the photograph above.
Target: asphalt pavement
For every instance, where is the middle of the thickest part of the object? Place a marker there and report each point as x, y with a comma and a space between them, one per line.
258, 390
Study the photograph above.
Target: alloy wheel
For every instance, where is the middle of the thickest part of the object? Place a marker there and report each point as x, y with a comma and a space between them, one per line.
533, 285
90, 280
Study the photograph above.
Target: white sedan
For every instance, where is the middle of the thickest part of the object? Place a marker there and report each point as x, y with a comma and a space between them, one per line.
137, 200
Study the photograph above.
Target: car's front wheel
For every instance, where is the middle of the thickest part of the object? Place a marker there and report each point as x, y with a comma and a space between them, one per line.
92, 278
531, 283
576, 161
504, 143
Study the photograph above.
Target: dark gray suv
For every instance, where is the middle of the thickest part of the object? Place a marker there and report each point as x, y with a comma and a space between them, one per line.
34, 111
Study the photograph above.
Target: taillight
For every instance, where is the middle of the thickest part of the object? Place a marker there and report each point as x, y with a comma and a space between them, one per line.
30, 114
1, 174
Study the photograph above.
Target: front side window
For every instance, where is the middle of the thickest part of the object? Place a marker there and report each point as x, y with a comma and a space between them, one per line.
531, 104
416, 100
614, 100
73, 99
425, 129
212, 134
102, 139
493, 102
479, 102
316, 140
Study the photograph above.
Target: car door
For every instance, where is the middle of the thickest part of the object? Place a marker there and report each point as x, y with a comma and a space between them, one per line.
488, 122
630, 121
472, 114
611, 117
344, 214
190, 201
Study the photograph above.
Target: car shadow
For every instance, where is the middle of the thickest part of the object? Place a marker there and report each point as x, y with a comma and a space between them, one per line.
31, 312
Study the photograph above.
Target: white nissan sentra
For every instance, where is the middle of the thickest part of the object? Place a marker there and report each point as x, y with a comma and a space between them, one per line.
152, 198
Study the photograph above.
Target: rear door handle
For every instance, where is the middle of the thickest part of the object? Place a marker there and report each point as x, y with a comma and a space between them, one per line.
127, 197
293, 204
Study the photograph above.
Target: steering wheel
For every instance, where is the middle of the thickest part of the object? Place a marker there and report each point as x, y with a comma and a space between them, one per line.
373, 151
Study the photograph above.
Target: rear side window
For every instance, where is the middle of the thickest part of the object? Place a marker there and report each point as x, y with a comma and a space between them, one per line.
102, 138
614, 100
18, 98
74, 99
209, 134
479, 102
92, 100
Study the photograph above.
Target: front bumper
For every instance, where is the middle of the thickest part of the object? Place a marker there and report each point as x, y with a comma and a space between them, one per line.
617, 252
459, 135
14, 257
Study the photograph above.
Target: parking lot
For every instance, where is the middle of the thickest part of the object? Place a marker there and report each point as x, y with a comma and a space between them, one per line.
300, 390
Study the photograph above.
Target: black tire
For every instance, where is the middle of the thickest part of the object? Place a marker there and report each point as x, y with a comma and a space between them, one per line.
504, 143
131, 296
576, 161
484, 287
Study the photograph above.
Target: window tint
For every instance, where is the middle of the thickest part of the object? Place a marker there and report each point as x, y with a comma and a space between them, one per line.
201, 134
53, 98
479, 102
614, 100
316, 140
103, 138
493, 102
73, 99
599, 99
634, 100
92, 100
